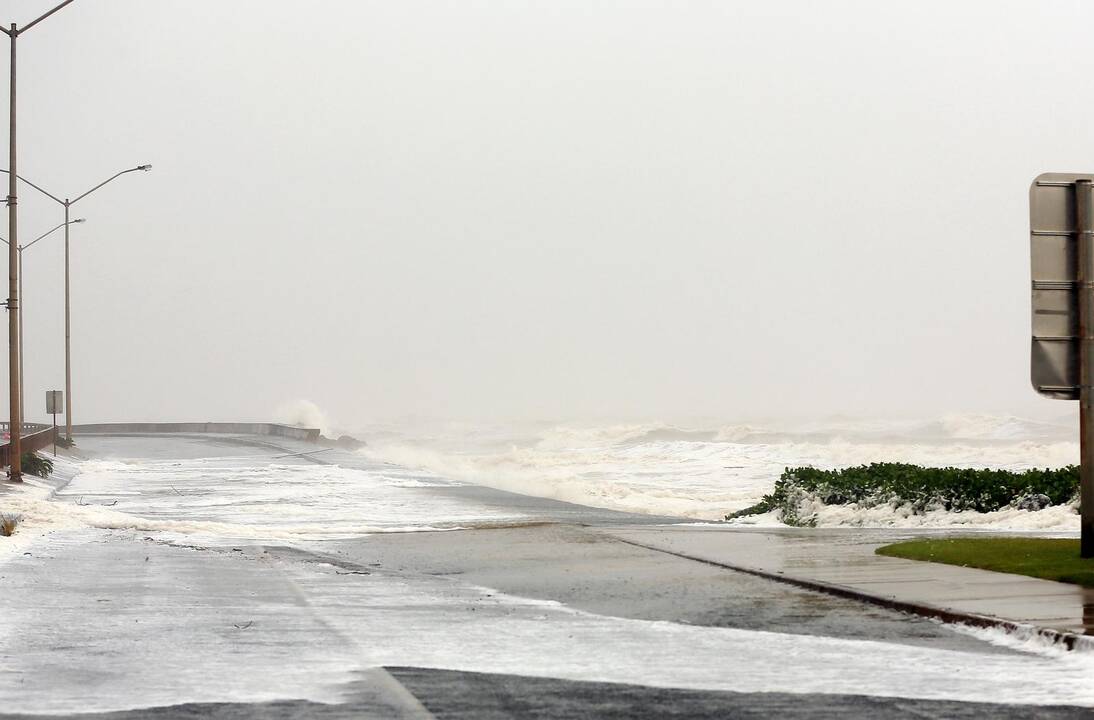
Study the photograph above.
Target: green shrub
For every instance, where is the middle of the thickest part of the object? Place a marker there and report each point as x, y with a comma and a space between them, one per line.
920, 488
37, 465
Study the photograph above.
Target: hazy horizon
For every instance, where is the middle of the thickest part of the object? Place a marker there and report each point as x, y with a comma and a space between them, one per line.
522, 210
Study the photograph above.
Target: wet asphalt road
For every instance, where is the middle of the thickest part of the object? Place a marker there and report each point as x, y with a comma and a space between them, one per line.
586, 568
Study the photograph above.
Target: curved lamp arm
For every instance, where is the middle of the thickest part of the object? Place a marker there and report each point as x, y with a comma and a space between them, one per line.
47, 193
48, 232
142, 168
34, 22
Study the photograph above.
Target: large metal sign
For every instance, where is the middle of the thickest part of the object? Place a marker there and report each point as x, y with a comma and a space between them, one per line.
1061, 224
1054, 255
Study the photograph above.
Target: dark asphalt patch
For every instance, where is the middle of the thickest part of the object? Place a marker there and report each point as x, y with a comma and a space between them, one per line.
453, 695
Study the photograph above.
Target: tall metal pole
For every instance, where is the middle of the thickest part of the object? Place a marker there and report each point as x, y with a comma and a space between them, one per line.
16, 427
68, 335
14, 369
22, 379
22, 344
1084, 226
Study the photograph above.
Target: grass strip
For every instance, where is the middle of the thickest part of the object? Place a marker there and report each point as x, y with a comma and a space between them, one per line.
1045, 558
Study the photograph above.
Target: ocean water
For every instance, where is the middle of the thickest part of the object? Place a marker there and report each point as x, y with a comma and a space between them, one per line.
704, 471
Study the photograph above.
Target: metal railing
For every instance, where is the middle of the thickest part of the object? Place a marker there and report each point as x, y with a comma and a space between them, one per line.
28, 428
36, 436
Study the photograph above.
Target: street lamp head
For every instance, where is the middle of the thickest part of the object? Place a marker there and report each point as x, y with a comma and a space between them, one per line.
79, 220
145, 168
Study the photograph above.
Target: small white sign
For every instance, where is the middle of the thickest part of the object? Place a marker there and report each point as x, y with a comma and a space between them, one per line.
55, 402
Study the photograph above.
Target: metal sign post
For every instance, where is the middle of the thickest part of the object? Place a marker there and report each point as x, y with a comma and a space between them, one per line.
55, 404
1061, 212
1084, 229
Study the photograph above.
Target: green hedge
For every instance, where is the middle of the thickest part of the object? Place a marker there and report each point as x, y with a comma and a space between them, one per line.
900, 484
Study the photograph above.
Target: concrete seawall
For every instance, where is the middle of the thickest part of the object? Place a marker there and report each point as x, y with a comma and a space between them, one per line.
228, 428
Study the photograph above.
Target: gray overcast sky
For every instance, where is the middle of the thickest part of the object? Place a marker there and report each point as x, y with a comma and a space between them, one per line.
544, 209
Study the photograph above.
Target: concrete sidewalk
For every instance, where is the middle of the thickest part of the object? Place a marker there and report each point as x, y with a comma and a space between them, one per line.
845, 562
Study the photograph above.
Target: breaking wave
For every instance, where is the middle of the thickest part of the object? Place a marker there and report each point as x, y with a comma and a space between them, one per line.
303, 413
703, 473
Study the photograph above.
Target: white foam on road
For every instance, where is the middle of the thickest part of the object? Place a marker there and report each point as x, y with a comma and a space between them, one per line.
29, 504
247, 498
96, 621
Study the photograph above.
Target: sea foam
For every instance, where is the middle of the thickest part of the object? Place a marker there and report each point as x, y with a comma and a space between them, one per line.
704, 472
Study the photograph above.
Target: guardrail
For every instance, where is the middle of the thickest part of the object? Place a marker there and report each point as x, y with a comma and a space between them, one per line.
35, 437
275, 429
27, 427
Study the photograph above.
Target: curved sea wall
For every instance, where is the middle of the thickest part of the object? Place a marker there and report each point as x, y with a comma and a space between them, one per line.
228, 428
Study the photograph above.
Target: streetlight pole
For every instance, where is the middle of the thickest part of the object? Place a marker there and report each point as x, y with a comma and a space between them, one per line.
67, 204
22, 377
16, 419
